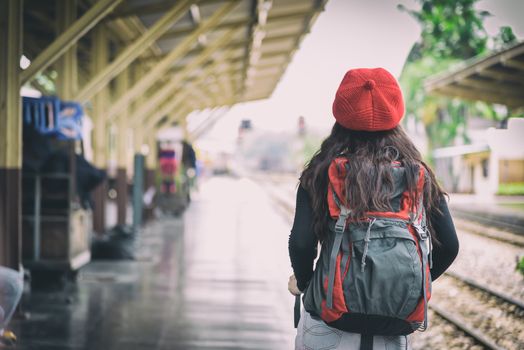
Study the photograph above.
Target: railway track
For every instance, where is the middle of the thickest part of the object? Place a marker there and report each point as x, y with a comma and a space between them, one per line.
492, 319
519, 304
489, 230
467, 329
504, 223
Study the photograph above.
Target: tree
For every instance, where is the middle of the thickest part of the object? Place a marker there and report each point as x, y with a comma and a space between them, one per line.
450, 28
451, 31
504, 38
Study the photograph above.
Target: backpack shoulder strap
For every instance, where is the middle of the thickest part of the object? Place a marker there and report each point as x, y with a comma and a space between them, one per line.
340, 227
418, 220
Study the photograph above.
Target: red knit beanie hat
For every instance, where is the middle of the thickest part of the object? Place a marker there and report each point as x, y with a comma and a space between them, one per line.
368, 99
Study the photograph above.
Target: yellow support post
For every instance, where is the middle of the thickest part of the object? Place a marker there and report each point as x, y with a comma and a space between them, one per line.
67, 67
152, 155
138, 139
100, 131
101, 100
122, 83
11, 34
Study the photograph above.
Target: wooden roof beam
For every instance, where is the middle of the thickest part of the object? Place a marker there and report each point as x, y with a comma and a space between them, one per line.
210, 121
195, 51
237, 44
289, 16
127, 30
162, 67
132, 51
493, 87
179, 102
214, 111
168, 89
257, 33
468, 94
176, 114
482, 66
502, 75
513, 63
151, 8
68, 38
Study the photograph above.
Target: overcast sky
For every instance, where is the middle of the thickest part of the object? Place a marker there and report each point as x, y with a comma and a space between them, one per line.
348, 34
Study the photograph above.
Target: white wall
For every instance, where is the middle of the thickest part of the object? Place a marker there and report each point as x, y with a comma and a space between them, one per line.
508, 143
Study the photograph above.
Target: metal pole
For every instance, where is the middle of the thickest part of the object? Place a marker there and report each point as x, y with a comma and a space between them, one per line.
138, 191
37, 220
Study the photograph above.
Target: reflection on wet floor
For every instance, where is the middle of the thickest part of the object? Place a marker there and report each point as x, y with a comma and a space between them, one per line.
215, 279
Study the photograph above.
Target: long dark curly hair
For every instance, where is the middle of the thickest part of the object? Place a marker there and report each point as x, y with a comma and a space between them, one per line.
369, 183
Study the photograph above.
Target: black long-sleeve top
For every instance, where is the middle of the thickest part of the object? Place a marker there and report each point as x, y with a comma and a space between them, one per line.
303, 241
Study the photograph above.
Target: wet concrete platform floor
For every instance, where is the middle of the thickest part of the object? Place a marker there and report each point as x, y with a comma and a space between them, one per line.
215, 279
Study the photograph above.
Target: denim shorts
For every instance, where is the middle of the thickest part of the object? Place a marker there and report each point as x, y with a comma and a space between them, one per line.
315, 334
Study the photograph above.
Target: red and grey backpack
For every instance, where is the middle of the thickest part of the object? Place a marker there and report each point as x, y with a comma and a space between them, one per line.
373, 275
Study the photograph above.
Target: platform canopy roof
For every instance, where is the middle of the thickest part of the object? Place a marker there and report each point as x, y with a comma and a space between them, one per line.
194, 54
496, 78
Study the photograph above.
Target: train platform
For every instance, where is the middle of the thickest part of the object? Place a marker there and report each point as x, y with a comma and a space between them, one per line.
216, 278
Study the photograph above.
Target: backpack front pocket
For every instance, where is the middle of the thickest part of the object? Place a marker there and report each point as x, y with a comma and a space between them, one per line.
388, 281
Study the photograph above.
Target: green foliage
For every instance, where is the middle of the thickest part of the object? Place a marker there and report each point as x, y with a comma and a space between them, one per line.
504, 38
412, 80
451, 31
443, 118
511, 189
450, 28
520, 264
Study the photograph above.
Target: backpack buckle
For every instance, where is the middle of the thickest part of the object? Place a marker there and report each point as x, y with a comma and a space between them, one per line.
340, 225
422, 231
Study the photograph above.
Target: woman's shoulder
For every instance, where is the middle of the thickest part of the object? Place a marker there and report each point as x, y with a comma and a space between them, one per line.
302, 189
